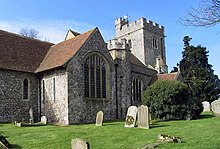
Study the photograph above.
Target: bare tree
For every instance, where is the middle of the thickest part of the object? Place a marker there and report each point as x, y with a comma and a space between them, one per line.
206, 14
32, 33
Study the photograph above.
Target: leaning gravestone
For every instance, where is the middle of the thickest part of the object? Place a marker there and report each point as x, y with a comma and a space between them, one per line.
143, 117
4, 144
206, 106
79, 144
31, 116
131, 116
99, 118
43, 120
215, 106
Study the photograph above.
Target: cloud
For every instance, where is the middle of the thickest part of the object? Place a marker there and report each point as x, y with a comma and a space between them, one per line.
52, 30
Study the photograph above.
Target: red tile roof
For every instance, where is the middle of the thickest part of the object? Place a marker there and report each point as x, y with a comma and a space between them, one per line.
61, 53
167, 76
21, 53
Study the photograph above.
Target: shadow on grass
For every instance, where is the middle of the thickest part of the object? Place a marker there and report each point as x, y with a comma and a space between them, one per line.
15, 146
206, 116
155, 125
108, 124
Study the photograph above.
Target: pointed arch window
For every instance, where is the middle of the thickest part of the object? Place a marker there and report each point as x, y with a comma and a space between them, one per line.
137, 90
25, 89
95, 77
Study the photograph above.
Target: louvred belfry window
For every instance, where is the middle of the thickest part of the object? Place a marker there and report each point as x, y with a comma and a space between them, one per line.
95, 77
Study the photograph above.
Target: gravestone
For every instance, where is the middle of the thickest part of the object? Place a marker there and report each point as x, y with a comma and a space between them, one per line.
31, 116
215, 106
143, 117
131, 116
79, 144
44, 120
206, 106
99, 118
4, 144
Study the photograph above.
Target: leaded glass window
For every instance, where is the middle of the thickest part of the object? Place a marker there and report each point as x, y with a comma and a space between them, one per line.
95, 77
137, 89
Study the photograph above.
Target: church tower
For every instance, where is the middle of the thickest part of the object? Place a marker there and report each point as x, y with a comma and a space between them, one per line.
147, 41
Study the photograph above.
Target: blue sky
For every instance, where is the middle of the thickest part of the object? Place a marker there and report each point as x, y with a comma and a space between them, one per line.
52, 18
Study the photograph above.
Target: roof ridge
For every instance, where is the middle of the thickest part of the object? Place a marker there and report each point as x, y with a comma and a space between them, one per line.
26, 37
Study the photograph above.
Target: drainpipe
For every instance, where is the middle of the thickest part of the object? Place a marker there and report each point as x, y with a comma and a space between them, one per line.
116, 88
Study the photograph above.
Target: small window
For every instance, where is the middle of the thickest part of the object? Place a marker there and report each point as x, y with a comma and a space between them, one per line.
43, 91
155, 43
25, 89
137, 89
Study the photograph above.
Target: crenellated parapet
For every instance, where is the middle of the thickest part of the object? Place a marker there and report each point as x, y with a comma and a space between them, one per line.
117, 44
124, 27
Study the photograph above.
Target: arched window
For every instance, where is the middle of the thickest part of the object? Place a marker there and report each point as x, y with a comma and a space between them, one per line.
137, 89
25, 89
95, 77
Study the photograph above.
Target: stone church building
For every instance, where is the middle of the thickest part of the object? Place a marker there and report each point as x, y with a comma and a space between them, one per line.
71, 81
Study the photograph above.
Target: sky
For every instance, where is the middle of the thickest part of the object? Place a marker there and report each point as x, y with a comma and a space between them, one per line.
53, 18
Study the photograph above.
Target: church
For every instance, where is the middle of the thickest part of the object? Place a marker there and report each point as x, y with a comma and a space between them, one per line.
69, 82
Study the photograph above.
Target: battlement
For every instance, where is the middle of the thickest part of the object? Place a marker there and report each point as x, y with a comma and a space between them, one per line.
117, 44
123, 26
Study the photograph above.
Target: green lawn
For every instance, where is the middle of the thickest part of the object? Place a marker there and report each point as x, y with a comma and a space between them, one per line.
196, 134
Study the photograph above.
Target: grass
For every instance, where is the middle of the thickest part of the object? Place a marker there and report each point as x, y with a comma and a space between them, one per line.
196, 134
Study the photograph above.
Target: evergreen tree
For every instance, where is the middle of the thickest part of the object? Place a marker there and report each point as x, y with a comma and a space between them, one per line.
198, 73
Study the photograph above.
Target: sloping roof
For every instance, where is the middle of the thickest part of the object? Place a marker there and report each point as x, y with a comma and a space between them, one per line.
167, 76
71, 34
61, 53
21, 53
134, 60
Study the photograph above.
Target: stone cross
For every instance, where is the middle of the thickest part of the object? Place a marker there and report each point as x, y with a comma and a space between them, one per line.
143, 117
44, 120
206, 106
79, 144
215, 106
31, 116
131, 116
99, 118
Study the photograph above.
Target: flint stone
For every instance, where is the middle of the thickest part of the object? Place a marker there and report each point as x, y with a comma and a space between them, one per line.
79, 144
206, 106
143, 117
215, 106
131, 116
99, 118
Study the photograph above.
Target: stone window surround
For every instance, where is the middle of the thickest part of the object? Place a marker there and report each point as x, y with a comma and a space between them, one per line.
107, 69
155, 43
140, 92
28, 89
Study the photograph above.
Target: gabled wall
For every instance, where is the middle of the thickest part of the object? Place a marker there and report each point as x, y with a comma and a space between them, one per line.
82, 109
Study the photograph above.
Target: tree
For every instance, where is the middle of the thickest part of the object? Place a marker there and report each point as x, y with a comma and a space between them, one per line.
207, 14
198, 73
170, 100
32, 33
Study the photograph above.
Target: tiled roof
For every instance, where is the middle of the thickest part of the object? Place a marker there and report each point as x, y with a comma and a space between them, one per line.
61, 53
21, 53
167, 76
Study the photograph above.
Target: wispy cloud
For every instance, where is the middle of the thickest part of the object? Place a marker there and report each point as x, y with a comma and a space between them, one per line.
52, 30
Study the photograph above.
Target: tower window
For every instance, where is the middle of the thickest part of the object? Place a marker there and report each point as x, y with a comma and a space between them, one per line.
155, 43
95, 77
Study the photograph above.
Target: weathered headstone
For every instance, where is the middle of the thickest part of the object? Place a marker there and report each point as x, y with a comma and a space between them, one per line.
131, 116
206, 106
215, 106
4, 144
79, 144
44, 120
143, 117
31, 116
99, 118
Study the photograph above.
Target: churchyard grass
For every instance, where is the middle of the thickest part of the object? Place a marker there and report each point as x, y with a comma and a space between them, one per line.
195, 134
